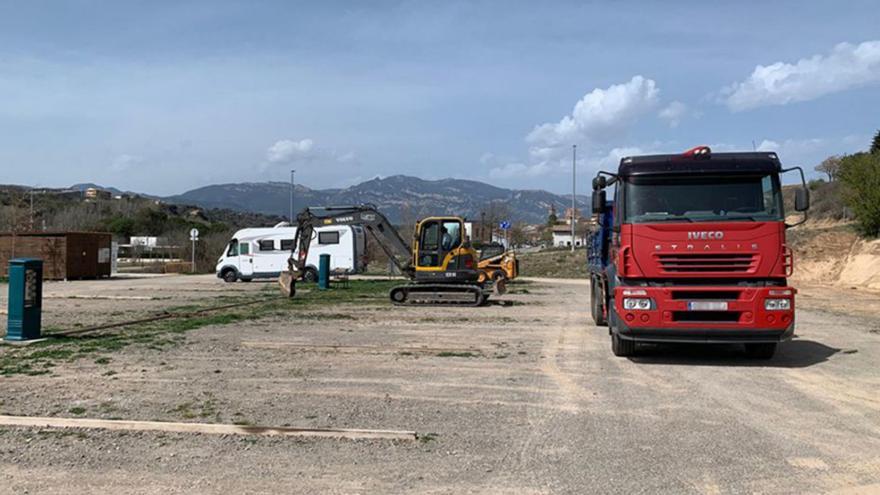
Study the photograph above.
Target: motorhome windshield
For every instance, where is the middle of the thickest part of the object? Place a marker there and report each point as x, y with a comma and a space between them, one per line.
702, 198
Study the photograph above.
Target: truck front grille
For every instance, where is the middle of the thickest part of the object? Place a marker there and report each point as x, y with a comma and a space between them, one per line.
708, 263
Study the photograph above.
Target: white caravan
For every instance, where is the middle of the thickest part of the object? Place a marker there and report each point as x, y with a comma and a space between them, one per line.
263, 252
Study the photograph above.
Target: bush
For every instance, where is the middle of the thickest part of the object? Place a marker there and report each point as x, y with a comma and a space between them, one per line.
860, 176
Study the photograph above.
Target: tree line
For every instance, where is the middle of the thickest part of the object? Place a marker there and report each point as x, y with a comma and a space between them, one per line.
858, 176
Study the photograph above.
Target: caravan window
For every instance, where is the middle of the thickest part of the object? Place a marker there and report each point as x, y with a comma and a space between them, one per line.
328, 237
267, 245
233, 248
243, 248
286, 244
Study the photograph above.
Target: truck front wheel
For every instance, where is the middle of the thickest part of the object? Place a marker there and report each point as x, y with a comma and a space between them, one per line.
761, 351
622, 347
229, 276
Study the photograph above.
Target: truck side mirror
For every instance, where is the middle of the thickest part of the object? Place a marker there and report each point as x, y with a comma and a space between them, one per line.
802, 199
599, 201
599, 182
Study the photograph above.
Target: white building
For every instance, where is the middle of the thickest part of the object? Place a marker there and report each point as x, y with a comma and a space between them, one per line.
562, 236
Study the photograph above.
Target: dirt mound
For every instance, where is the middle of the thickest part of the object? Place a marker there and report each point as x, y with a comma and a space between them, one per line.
832, 253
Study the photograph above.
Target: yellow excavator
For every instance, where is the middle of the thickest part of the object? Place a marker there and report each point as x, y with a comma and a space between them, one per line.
441, 264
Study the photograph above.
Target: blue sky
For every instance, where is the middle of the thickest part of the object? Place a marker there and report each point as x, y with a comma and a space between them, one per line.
161, 97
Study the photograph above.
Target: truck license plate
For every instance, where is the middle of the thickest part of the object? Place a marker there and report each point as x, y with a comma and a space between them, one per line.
707, 306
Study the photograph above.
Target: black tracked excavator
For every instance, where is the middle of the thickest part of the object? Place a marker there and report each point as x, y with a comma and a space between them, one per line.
441, 264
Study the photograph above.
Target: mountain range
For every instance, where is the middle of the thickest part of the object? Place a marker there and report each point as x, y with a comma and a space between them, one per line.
401, 198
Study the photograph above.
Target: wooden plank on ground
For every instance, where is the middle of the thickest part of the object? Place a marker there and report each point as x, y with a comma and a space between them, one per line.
358, 348
204, 428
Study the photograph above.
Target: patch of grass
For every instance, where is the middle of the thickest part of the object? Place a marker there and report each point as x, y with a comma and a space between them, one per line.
102, 360
457, 354
325, 316
427, 437
37, 359
184, 410
78, 411
62, 434
554, 263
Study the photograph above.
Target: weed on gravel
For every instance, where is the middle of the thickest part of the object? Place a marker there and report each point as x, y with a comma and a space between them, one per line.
39, 358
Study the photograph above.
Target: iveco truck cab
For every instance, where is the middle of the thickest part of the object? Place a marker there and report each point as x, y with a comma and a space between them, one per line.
691, 248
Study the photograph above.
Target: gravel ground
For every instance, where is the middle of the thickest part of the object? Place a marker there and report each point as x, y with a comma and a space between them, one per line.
523, 397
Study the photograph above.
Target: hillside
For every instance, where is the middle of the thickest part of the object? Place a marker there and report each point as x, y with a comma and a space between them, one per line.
401, 197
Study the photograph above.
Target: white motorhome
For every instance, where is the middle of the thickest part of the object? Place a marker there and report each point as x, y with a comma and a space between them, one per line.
263, 252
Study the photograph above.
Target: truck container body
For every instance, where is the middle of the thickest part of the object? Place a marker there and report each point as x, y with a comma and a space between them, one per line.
692, 249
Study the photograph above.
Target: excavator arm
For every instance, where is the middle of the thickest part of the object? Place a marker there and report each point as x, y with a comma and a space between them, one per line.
365, 215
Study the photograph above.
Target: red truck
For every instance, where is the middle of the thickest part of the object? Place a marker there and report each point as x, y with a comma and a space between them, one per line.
692, 249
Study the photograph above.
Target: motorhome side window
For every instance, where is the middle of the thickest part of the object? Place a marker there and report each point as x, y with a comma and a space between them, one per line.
286, 244
328, 237
267, 245
243, 248
233, 248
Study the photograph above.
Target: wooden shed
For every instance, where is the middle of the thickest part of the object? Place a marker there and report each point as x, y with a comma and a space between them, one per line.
65, 255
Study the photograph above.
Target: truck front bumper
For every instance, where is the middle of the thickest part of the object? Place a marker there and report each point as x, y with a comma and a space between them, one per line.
680, 314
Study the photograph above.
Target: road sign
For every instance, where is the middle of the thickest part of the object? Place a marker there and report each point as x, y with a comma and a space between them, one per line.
505, 225
194, 237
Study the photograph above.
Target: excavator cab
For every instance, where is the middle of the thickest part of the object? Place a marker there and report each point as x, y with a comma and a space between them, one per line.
441, 252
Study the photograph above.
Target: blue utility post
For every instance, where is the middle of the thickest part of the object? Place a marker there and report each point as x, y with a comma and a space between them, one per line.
324, 272
25, 299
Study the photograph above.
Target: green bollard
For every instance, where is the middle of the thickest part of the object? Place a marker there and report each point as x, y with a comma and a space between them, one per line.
25, 299
324, 272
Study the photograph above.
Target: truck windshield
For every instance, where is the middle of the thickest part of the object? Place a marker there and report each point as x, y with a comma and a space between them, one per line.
703, 198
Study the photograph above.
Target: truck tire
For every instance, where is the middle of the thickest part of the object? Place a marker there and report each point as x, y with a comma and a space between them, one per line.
229, 276
597, 303
622, 347
761, 351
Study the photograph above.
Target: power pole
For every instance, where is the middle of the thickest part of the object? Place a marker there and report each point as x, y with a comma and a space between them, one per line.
573, 191
32, 209
292, 171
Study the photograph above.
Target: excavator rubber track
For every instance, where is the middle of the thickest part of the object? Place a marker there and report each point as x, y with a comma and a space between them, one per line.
439, 295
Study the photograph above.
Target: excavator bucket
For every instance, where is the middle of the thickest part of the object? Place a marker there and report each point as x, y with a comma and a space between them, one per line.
287, 283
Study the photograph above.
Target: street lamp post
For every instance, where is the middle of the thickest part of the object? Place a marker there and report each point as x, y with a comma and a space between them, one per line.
292, 171
573, 200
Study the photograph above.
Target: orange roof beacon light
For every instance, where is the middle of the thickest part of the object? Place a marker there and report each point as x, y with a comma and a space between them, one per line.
698, 152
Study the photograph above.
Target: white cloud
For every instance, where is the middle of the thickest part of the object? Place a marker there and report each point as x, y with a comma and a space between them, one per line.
314, 164
847, 66
611, 160
600, 115
768, 145
673, 113
287, 151
125, 162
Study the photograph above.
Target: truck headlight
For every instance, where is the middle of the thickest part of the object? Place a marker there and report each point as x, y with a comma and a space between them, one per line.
777, 304
637, 303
